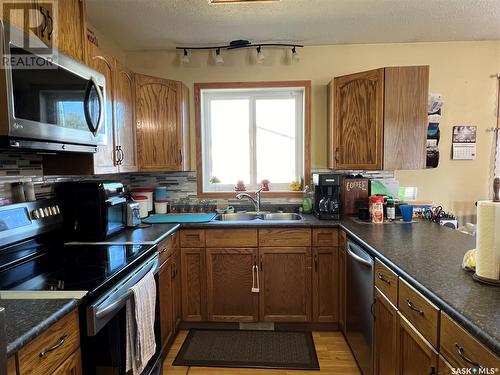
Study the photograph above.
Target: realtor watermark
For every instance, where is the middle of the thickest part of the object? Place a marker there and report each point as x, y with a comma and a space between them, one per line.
30, 29
475, 371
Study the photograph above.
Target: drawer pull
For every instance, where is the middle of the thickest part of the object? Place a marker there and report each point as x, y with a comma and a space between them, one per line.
412, 307
462, 355
383, 279
59, 343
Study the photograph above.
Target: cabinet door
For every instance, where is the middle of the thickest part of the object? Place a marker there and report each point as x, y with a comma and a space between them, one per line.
105, 159
357, 124
25, 15
325, 284
285, 284
124, 105
415, 355
231, 275
176, 259
342, 273
385, 336
193, 276
72, 366
159, 130
65, 30
444, 367
166, 297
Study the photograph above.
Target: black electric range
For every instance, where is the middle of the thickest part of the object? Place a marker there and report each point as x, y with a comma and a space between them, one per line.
38, 265
35, 259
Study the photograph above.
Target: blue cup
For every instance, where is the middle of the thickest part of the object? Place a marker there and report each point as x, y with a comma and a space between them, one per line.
407, 213
161, 193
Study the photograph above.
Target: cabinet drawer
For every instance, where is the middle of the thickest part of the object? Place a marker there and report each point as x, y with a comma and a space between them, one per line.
325, 237
72, 366
49, 350
192, 238
419, 311
168, 246
285, 237
231, 238
386, 281
461, 349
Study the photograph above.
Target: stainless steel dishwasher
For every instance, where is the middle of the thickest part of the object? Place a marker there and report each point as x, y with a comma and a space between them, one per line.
359, 300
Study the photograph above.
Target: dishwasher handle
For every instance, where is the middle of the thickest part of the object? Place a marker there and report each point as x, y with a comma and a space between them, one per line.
358, 259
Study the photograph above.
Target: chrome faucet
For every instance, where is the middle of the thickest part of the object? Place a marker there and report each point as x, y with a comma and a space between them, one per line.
255, 201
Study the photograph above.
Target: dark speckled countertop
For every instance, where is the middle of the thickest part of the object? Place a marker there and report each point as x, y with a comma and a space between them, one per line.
25, 319
429, 257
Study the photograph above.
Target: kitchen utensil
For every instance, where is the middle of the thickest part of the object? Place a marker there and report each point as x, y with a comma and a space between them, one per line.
160, 193
145, 192
143, 205
133, 214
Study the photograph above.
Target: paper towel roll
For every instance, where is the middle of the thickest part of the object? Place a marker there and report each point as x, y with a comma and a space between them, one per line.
488, 240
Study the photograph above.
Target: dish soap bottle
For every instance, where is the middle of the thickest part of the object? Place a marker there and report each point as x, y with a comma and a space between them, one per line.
307, 201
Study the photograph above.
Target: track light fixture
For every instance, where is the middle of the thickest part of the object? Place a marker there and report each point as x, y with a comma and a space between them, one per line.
218, 57
260, 55
295, 55
238, 44
185, 57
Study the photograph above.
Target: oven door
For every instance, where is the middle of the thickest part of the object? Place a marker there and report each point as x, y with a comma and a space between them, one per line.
104, 345
54, 98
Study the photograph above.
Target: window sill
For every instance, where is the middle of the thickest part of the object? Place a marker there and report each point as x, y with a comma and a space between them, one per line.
265, 194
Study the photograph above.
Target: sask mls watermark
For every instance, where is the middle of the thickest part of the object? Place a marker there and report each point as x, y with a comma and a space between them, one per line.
475, 371
30, 30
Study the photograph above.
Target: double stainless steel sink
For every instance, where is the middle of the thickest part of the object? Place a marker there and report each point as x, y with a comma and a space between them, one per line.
249, 216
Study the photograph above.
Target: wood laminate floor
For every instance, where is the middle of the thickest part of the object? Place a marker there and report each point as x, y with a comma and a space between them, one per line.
335, 358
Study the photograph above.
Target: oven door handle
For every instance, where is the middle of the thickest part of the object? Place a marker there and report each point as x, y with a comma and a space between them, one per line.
99, 313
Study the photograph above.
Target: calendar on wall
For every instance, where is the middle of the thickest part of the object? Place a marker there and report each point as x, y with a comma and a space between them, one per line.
464, 142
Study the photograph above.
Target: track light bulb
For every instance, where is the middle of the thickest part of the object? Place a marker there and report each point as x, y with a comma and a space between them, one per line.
218, 57
295, 55
260, 55
185, 57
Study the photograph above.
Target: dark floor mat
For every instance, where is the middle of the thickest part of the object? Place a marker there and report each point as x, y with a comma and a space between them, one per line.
253, 349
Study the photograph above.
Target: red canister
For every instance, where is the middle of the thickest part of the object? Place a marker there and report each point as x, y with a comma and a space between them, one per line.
377, 209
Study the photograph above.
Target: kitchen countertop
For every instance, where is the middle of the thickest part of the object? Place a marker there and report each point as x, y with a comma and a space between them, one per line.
25, 319
148, 235
426, 255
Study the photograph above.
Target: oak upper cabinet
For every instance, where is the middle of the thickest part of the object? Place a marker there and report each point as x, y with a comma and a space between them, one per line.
124, 114
231, 275
415, 355
285, 284
166, 295
378, 119
65, 27
106, 158
162, 124
385, 336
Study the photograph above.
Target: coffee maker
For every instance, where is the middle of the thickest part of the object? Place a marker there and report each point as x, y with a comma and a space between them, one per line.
327, 195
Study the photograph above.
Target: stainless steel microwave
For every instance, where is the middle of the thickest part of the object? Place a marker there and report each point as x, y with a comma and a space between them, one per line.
49, 101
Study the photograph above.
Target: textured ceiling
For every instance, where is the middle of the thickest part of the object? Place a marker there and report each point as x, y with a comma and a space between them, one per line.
162, 24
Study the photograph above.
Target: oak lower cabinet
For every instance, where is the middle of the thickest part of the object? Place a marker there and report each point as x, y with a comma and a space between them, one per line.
325, 289
415, 355
231, 275
72, 366
194, 283
162, 124
166, 293
378, 119
385, 336
285, 284
444, 367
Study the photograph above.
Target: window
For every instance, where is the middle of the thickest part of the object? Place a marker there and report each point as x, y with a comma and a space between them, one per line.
251, 134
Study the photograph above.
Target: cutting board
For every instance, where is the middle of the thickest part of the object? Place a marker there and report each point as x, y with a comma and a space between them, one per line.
179, 218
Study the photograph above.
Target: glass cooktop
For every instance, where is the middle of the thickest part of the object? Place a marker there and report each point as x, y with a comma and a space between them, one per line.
66, 268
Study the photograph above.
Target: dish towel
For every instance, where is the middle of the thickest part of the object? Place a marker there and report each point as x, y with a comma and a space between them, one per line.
140, 316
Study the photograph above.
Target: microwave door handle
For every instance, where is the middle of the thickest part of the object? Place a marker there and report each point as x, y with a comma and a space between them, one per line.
94, 129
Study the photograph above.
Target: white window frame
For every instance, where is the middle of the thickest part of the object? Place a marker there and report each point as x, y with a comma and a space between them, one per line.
252, 94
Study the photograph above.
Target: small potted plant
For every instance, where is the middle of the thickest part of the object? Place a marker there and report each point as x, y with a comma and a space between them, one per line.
214, 181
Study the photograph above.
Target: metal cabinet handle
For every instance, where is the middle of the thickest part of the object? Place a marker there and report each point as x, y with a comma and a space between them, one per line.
383, 279
412, 307
49, 34
122, 155
180, 156
44, 21
337, 155
59, 343
461, 353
